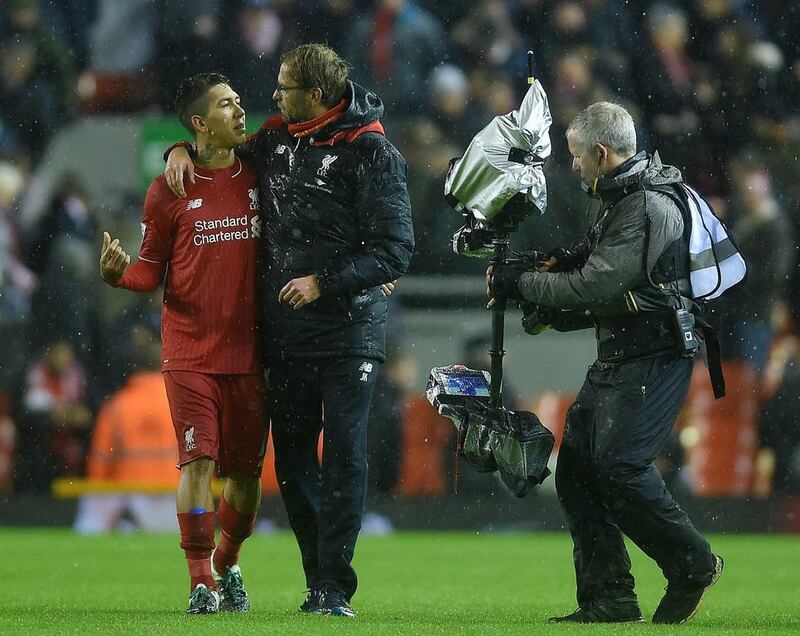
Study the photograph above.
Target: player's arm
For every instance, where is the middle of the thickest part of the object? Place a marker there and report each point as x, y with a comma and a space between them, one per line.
145, 274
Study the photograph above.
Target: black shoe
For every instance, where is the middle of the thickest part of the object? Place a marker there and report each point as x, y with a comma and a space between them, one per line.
680, 603
311, 604
603, 611
334, 602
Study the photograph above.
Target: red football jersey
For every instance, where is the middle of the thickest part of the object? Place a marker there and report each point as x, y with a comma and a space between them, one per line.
207, 243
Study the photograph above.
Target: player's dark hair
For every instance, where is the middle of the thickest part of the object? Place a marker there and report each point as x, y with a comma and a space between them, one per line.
191, 98
319, 66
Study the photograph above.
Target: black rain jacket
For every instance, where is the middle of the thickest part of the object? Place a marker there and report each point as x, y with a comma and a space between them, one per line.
334, 203
636, 226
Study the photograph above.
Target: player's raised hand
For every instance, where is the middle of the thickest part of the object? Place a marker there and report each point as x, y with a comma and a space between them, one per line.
179, 163
113, 260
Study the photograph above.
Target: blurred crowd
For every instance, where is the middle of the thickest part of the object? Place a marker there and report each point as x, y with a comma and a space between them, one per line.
713, 85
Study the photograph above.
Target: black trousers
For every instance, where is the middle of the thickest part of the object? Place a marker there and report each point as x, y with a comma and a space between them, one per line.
324, 502
607, 484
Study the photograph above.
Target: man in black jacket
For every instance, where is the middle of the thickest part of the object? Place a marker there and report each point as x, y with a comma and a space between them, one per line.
337, 219
629, 278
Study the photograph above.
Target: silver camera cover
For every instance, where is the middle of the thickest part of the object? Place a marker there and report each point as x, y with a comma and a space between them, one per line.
504, 159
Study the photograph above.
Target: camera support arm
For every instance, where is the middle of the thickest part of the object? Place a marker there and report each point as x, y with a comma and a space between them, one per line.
497, 352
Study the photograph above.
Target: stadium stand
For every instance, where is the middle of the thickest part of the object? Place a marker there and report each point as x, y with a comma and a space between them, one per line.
713, 85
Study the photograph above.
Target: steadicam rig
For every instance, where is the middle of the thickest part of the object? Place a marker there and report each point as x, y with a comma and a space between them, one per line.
497, 184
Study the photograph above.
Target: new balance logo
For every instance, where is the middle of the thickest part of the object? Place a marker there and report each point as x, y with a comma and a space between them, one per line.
365, 369
281, 149
194, 204
188, 435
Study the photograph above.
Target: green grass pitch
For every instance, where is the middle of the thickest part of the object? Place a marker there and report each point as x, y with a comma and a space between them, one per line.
54, 582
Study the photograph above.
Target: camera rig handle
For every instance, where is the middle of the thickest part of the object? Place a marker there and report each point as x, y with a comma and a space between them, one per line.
496, 353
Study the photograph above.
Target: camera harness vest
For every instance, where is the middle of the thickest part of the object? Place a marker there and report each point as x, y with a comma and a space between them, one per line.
663, 314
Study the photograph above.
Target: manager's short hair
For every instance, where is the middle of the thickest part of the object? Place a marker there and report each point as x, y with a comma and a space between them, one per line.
191, 98
319, 66
605, 123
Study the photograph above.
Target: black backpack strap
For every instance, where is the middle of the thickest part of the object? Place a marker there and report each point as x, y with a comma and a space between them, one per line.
678, 196
713, 356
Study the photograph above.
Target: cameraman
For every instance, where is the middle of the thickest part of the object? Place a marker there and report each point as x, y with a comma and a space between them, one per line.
628, 278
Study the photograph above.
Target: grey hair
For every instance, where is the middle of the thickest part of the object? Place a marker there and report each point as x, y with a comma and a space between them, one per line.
605, 123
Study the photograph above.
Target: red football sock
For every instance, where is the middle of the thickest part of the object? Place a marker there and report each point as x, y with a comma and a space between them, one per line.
235, 527
197, 541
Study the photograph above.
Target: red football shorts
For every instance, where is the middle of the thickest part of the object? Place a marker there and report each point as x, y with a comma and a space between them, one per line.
221, 417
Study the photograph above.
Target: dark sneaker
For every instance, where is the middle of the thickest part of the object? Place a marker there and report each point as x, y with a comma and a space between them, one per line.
203, 601
334, 602
232, 595
311, 604
680, 603
603, 611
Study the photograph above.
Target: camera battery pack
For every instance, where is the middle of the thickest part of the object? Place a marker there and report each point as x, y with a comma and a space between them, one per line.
685, 325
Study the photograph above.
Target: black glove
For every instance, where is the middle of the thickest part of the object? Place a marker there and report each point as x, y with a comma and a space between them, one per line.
504, 279
532, 259
570, 258
535, 318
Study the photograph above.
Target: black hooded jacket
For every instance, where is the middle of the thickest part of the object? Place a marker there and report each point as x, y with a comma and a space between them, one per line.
334, 203
637, 226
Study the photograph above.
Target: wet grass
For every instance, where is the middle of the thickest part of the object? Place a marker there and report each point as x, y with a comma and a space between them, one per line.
411, 583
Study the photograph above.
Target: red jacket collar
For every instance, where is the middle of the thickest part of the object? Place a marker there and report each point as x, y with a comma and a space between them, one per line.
303, 129
348, 135
306, 128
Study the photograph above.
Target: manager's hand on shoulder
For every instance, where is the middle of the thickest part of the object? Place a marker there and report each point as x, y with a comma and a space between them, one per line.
179, 163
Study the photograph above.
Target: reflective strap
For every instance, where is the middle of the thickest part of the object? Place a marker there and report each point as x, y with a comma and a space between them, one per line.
708, 258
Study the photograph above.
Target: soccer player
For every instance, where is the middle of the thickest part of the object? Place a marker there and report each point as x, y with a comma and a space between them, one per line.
206, 247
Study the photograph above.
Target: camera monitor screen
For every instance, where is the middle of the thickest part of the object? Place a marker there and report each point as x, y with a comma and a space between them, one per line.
466, 384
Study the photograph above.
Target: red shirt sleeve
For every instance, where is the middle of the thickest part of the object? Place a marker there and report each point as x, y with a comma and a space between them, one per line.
147, 273
142, 276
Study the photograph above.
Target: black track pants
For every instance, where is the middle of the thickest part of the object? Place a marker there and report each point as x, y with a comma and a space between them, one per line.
607, 484
324, 502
